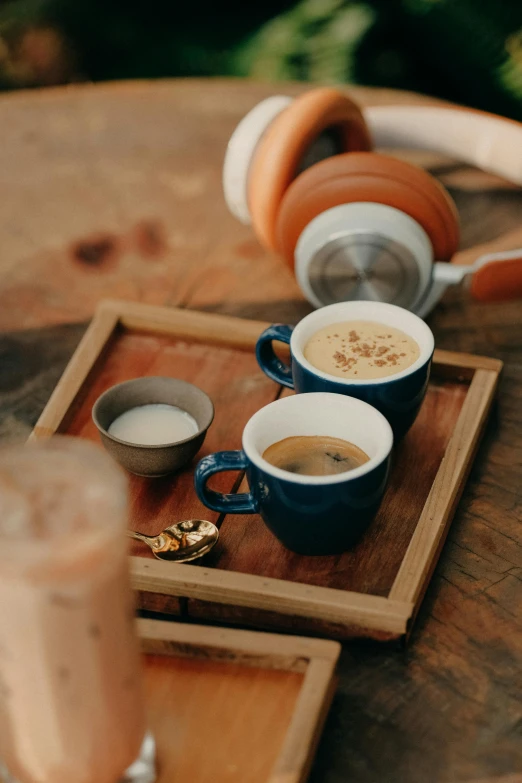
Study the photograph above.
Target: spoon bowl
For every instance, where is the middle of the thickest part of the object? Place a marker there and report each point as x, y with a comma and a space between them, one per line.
181, 542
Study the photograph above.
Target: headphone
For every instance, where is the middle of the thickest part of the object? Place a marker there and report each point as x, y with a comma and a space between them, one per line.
356, 224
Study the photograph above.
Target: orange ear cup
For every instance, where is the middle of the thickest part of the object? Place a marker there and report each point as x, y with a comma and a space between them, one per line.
285, 143
364, 176
498, 281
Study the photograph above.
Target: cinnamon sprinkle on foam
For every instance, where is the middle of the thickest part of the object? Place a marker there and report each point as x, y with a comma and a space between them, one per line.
360, 348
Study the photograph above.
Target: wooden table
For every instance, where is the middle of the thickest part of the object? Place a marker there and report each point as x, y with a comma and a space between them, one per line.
115, 190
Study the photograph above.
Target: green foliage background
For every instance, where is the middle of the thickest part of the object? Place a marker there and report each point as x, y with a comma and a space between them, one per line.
468, 51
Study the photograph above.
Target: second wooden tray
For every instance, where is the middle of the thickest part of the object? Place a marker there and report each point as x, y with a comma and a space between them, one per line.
374, 590
229, 706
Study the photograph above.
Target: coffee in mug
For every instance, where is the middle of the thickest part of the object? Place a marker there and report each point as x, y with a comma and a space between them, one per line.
312, 514
372, 351
315, 455
361, 350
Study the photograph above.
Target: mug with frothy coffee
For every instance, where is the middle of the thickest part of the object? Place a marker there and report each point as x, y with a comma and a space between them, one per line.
317, 466
376, 352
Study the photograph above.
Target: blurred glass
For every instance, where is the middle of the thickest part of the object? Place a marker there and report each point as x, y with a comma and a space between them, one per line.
71, 702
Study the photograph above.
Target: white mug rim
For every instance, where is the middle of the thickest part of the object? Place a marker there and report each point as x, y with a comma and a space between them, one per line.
363, 408
412, 319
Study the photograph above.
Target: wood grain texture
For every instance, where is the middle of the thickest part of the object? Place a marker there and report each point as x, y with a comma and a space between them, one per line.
228, 706
137, 224
239, 716
448, 709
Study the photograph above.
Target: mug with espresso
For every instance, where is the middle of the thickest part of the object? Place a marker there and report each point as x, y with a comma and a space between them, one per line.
376, 352
317, 466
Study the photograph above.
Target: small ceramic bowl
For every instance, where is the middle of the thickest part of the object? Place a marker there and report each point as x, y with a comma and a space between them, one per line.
158, 460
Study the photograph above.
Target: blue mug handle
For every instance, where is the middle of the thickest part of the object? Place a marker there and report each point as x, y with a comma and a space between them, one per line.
240, 503
277, 370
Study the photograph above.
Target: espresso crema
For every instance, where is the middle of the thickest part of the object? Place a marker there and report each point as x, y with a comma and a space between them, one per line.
315, 455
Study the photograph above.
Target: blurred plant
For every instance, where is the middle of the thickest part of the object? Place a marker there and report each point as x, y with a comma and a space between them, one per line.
463, 50
317, 40
38, 56
33, 52
125, 39
469, 51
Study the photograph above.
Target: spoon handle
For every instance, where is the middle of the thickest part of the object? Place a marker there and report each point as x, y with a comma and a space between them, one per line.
138, 536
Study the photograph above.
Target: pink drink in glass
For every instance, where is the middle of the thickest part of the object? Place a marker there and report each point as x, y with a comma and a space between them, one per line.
71, 704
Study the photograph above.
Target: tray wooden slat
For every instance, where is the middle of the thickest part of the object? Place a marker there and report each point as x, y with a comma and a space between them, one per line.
430, 532
371, 612
250, 578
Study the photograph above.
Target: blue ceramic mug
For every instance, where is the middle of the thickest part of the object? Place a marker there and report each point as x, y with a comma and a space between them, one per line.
398, 397
312, 515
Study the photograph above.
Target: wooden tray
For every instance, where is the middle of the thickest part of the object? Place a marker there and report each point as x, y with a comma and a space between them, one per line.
229, 706
374, 590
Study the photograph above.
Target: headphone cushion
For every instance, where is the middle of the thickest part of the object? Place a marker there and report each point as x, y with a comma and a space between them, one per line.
284, 144
360, 177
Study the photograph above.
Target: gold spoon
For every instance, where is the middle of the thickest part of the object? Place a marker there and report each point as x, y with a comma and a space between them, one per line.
181, 542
